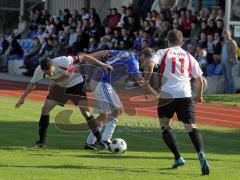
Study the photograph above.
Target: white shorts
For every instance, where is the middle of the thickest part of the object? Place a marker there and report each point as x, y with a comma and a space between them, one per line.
105, 98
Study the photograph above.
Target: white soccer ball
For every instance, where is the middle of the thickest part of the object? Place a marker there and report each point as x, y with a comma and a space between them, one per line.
118, 146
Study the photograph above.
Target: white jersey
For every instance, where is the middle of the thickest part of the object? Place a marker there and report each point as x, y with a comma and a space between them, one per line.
176, 68
64, 75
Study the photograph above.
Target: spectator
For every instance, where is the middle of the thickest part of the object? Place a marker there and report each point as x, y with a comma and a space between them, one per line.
219, 28
34, 51
77, 46
210, 27
58, 25
92, 46
126, 38
123, 18
15, 52
113, 19
102, 45
203, 40
95, 17
220, 15
131, 25
84, 14
50, 28
152, 25
66, 16
76, 16
202, 60
22, 28
195, 32
45, 16
106, 19
3, 51
58, 49
210, 49
191, 49
72, 37
204, 27
41, 34
228, 60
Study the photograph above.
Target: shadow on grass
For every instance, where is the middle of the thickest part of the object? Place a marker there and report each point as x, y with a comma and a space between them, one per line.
19, 135
82, 167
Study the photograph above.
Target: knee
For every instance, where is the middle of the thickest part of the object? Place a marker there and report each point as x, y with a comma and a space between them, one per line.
45, 110
190, 127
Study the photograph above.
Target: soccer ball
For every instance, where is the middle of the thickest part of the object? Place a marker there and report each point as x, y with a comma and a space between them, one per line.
118, 146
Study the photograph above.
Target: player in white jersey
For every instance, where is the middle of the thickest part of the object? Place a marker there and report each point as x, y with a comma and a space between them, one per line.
177, 67
67, 85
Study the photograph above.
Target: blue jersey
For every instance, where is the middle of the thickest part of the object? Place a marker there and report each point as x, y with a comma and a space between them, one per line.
124, 63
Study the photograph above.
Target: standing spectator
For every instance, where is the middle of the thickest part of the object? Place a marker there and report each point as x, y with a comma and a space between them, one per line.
22, 28
228, 60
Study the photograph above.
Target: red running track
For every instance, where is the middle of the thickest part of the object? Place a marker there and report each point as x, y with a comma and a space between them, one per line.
209, 114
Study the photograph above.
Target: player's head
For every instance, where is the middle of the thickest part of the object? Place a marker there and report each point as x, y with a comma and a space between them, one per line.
47, 66
175, 38
146, 54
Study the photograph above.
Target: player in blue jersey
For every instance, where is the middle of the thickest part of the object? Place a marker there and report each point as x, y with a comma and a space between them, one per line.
107, 101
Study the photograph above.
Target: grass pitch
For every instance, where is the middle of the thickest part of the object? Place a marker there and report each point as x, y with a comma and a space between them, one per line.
147, 156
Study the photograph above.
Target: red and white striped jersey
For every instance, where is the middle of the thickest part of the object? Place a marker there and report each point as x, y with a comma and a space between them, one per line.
64, 74
176, 69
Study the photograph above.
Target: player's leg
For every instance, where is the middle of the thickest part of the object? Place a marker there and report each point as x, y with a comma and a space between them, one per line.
111, 125
165, 113
44, 122
186, 114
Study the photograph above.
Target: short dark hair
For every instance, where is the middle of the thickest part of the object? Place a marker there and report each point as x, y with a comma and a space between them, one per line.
175, 37
147, 52
46, 64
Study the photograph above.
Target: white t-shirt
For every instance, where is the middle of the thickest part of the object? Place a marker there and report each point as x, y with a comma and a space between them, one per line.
64, 75
177, 68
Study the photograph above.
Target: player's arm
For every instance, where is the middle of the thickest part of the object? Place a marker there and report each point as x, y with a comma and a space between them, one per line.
199, 89
145, 85
148, 71
100, 54
28, 90
89, 58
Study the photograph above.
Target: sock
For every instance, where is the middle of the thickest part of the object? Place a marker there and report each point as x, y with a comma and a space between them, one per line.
197, 140
171, 141
43, 125
91, 139
109, 129
94, 126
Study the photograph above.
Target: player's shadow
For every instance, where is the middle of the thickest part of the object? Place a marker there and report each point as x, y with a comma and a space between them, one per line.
83, 167
20, 135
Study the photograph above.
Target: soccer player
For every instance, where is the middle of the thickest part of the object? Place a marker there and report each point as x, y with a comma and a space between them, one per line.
107, 101
177, 67
67, 85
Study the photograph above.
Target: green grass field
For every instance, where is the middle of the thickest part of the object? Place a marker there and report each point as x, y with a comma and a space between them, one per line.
147, 156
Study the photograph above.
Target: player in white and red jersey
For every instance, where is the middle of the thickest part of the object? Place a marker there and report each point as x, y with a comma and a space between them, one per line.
177, 67
67, 85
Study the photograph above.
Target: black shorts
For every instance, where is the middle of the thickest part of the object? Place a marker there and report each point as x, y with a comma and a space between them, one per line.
76, 94
184, 108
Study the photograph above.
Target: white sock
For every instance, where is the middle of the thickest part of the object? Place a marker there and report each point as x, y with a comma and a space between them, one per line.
91, 139
109, 129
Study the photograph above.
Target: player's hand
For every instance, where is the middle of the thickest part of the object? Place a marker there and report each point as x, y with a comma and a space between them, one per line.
107, 67
198, 99
19, 103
